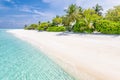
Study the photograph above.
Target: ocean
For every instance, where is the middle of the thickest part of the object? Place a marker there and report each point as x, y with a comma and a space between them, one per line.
20, 60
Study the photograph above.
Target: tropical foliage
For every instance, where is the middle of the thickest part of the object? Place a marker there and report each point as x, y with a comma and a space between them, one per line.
113, 14
57, 21
43, 26
56, 29
82, 20
31, 27
107, 27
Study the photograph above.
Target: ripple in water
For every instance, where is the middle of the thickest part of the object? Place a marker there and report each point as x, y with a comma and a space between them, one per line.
21, 61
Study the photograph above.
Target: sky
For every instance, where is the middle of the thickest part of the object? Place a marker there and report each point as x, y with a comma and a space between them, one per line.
17, 13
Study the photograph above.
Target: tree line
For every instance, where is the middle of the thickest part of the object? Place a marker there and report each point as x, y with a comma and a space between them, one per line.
82, 20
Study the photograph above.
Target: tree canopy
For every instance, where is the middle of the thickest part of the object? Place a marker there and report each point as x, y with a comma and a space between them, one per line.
113, 14
57, 20
78, 19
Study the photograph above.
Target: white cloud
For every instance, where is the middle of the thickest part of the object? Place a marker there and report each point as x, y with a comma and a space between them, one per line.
12, 2
110, 3
38, 12
56, 8
106, 4
59, 3
83, 3
44, 14
35, 11
21, 19
3, 7
25, 8
18, 16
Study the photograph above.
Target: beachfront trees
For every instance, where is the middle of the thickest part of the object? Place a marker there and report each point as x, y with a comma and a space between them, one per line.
98, 9
88, 20
39, 22
65, 21
43, 26
107, 27
77, 16
90, 16
73, 15
25, 26
71, 12
57, 21
85, 23
49, 23
56, 29
113, 14
31, 27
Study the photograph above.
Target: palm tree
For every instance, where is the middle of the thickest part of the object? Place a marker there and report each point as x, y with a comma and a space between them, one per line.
71, 12
74, 13
98, 9
39, 23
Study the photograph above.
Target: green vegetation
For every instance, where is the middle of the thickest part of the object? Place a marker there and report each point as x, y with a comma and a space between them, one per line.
82, 20
98, 9
31, 27
56, 29
57, 21
107, 27
81, 26
113, 14
43, 26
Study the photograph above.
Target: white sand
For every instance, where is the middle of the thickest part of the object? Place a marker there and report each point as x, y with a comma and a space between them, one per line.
87, 57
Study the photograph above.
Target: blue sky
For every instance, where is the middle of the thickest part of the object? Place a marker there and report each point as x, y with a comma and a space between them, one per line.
17, 13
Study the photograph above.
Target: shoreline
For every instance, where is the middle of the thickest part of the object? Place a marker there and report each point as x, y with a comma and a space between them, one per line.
86, 57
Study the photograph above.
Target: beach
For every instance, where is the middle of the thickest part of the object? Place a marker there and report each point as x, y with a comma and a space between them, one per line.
85, 56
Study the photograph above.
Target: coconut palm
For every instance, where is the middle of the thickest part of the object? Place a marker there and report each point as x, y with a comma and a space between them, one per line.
74, 13
39, 22
71, 12
98, 9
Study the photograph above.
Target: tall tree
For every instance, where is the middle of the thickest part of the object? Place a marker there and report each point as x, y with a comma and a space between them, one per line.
71, 12
98, 9
74, 13
39, 22
25, 26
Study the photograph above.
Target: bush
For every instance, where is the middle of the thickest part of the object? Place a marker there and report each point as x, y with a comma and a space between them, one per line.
56, 29
107, 27
43, 26
31, 27
40, 28
82, 27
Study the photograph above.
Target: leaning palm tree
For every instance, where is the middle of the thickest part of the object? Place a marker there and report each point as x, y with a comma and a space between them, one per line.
70, 16
73, 14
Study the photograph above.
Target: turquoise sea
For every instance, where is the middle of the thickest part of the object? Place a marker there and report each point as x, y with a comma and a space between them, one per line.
20, 60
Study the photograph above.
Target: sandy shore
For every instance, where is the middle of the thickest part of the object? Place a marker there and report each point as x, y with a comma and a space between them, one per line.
87, 57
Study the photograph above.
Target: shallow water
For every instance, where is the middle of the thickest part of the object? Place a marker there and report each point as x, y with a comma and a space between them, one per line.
20, 60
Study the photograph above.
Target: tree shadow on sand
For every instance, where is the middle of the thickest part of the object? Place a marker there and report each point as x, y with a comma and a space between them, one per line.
86, 34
